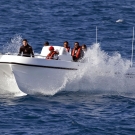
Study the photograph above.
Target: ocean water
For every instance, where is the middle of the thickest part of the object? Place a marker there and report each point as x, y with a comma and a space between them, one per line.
91, 101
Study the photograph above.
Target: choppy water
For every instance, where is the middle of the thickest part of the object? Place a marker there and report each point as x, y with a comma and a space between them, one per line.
90, 102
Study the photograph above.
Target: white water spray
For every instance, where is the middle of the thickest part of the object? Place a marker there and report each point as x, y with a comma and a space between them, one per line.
101, 73
7, 83
14, 45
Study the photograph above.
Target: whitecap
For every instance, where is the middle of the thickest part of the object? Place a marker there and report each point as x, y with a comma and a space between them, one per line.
119, 20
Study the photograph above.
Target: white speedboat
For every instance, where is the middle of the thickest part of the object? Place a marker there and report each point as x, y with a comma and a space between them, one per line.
31, 75
38, 73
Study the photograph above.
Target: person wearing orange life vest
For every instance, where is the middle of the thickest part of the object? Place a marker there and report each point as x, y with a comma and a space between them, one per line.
66, 46
76, 52
53, 54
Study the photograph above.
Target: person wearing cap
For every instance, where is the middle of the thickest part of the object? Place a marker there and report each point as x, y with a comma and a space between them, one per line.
46, 43
26, 50
52, 54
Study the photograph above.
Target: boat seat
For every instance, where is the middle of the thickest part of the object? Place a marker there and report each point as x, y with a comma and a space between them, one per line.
63, 54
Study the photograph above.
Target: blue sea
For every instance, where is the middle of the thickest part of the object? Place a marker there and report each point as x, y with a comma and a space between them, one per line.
87, 105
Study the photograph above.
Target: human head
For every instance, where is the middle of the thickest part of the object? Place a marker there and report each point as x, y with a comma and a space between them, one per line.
84, 47
51, 48
46, 43
76, 45
25, 42
65, 44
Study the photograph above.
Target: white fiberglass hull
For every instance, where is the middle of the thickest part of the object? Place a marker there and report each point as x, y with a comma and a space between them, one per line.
35, 75
7, 81
38, 79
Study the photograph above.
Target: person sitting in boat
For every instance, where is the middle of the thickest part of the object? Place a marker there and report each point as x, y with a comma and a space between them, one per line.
66, 46
26, 50
76, 52
53, 54
46, 43
84, 50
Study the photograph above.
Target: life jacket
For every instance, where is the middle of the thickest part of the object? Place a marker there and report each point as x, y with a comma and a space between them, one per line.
51, 55
76, 52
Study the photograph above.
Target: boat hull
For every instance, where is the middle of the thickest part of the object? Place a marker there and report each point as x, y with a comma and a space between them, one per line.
7, 80
37, 75
43, 80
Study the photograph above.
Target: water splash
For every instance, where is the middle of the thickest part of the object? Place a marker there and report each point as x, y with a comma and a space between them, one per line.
101, 72
13, 46
7, 83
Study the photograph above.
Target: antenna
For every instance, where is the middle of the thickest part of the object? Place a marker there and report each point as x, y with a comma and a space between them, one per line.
96, 34
132, 48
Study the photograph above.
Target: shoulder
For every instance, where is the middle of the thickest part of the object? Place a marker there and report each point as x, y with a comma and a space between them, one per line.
21, 47
29, 46
79, 48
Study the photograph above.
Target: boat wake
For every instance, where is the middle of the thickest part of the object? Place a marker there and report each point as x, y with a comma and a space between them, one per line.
99, 72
